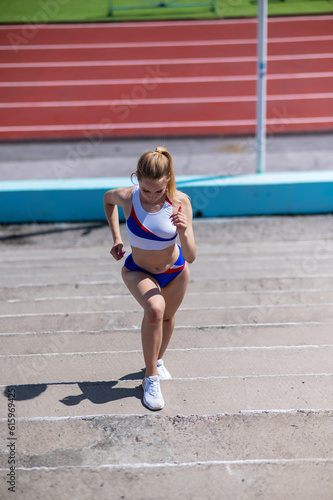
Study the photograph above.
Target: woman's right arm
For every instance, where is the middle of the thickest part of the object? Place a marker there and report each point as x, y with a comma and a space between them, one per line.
113, 198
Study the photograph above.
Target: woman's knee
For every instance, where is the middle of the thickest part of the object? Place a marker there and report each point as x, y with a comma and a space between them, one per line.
154, 310
168, 319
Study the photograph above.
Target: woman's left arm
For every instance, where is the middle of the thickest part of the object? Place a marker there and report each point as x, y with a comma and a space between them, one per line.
182, 219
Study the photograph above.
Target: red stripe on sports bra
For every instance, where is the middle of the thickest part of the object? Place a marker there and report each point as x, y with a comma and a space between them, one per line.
133, 214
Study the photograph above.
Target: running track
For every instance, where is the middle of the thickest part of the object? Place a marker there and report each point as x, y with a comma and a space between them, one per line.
163, 78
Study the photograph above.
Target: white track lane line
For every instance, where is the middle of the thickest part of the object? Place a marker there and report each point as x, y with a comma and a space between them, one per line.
156, 125
162, 62
182, 80
164, 101
171, 43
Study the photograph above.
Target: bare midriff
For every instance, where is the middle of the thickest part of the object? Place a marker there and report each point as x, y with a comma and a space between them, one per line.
156, 261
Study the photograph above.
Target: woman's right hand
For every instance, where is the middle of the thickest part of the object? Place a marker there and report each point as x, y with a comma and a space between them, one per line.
117, 251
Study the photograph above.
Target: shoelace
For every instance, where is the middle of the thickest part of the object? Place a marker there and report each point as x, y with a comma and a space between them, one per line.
152, 387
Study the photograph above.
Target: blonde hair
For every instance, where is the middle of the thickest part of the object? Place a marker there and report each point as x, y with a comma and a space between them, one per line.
156, 165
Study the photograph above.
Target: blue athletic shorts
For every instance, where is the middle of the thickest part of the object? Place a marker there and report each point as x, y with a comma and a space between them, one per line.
162, 278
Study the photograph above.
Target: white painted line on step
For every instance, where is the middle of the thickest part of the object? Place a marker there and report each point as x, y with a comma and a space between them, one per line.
68, 271
177, 327
183, 309
195, 379
53, 284
253, 306
29, 315
71, 332
130, 415
189, 294
145, 465
280, 277
186, 349
290, 411
243, 377
76, 297
240, 325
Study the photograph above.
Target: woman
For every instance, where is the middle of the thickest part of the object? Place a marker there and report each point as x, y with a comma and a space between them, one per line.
156, 272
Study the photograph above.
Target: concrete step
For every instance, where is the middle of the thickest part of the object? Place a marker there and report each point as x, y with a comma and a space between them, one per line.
316, 260
182, 363
126, 456
187, 396
296, 283
94, 263
237, 236
96, 319
183, 338
292, 276
300, 479
125, 302
138, 439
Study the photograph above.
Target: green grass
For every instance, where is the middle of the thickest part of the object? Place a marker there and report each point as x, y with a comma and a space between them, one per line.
39, 11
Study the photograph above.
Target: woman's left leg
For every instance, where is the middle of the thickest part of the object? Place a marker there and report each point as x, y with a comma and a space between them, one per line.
173, 294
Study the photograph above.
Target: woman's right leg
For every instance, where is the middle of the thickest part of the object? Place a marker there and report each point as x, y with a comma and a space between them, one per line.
148, 294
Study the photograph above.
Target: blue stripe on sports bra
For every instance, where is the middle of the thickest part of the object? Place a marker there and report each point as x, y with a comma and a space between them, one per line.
136, 228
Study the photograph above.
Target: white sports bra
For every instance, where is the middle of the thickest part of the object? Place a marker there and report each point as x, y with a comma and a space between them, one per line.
150, 231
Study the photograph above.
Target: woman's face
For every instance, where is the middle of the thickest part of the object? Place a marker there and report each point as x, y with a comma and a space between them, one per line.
152, 190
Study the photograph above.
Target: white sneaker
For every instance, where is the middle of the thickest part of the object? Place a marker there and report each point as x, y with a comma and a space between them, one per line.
162, 371
152, 396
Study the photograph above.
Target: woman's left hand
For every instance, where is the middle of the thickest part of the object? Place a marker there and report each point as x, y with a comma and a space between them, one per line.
182, 219
179, 220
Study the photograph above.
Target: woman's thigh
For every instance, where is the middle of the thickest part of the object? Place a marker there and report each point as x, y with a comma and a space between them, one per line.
144, 289
174, 292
